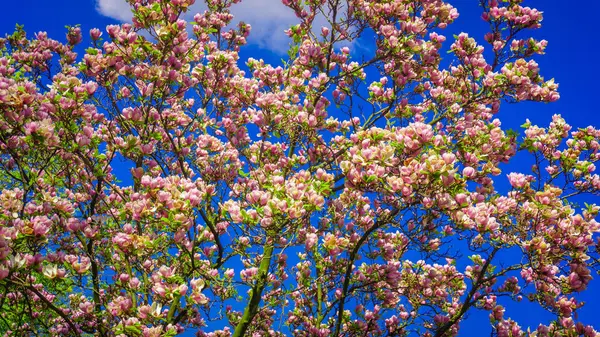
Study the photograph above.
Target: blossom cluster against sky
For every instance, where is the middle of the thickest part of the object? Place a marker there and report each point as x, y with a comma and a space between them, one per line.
571, 59
269, 19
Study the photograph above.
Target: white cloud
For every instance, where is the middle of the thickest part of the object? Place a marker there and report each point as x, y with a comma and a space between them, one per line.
116, 9
268, 18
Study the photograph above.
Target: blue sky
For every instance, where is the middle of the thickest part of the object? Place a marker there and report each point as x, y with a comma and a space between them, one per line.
571, 58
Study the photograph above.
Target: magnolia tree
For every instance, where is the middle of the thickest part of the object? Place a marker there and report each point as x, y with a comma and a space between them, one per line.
155, 183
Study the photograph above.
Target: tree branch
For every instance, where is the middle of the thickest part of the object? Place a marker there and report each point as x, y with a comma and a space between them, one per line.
469, 300
351, 258
257, 289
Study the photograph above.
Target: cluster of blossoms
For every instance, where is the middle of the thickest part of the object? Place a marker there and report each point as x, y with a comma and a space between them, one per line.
156, 183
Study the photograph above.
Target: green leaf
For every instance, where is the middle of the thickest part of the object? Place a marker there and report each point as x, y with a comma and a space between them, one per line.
132, 329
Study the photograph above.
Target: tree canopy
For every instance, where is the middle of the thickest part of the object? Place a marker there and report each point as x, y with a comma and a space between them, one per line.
154, 183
